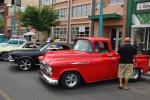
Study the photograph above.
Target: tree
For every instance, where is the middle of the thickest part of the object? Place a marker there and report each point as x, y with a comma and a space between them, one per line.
29, 17
1, 24
40, 19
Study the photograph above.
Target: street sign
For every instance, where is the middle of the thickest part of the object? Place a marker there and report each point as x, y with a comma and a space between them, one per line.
82, 29
143, 6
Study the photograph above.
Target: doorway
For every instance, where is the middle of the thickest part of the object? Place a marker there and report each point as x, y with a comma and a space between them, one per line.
141, 35
115, 36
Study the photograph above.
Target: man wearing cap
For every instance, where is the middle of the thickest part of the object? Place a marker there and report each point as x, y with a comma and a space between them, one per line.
125, 71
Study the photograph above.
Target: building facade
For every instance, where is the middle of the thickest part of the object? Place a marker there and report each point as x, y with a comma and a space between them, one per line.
80, 18
140, 26
12, 15
2, 11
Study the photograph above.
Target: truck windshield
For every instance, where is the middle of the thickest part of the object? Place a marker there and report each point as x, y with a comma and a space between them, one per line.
83, 46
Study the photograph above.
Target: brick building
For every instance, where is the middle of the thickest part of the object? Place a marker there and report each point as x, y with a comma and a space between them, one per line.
80, 18
9, 13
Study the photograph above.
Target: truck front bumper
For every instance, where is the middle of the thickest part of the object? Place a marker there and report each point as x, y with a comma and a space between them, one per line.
48, 79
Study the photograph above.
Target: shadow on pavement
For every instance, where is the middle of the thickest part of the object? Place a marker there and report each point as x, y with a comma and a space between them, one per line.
82, 88
15, 68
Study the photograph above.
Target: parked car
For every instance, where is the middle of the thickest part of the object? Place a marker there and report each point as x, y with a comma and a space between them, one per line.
4, 52
90, 60
13, 43
3, 38
27, 59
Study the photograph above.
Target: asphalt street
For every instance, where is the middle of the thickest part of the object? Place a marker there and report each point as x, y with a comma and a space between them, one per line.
26, 85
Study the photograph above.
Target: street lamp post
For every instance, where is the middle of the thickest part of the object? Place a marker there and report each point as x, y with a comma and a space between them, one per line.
14, 18
101, 19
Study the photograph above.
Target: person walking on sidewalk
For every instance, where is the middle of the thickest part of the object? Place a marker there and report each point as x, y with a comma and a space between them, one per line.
125, 71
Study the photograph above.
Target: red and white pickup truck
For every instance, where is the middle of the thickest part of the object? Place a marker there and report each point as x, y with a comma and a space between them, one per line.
90, 60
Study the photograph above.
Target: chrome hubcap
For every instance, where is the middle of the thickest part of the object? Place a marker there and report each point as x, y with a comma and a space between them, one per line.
5, 56
135, 74
25, 64
71, 80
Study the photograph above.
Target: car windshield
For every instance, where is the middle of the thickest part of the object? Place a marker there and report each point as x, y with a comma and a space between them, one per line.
83, 46
44, 47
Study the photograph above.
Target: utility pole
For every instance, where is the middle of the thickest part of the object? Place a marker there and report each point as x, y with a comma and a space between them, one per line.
14, 18
101, 19
92, 14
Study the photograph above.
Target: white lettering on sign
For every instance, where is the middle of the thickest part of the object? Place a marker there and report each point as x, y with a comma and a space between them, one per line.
143, 6
82, 29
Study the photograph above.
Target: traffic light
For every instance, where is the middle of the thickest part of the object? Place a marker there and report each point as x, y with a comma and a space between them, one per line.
18, 2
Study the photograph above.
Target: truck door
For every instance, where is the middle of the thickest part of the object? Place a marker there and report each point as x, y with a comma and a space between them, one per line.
105, 65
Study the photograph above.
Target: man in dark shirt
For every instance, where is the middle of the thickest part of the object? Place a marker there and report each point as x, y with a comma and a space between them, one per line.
127, 53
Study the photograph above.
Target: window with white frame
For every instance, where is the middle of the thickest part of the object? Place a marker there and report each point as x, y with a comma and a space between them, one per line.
62, 13
58, 1
82, 10
116, 1
60, 33
80, 31
46, 2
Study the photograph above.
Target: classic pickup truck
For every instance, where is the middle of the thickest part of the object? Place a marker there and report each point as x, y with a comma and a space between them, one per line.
90, 60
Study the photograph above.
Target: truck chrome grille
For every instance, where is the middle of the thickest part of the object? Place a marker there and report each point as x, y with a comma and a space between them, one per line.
45, 68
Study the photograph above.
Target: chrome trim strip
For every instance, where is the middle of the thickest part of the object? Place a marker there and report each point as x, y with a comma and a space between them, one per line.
11, 60
78, 63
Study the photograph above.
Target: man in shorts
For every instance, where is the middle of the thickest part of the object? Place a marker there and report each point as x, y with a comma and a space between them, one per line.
125, 71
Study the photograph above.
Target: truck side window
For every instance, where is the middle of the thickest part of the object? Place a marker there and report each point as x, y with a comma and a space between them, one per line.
101, 47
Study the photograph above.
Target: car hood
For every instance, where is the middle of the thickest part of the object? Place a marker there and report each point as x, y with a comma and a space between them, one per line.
66, 55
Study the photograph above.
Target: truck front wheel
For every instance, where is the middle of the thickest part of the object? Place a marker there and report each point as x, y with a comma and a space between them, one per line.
136, 74
70, 80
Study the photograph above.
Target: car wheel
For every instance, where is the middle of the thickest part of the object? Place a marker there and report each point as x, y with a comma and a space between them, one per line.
25, 64
4, 56
136, 74
70, 80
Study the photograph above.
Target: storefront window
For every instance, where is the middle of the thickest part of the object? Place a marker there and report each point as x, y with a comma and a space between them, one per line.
142, 38
79, 32
60, 33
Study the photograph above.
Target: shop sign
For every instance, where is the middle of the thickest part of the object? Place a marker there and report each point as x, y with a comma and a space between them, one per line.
143, 6
82, 29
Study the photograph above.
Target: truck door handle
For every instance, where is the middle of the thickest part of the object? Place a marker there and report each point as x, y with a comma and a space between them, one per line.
109, 55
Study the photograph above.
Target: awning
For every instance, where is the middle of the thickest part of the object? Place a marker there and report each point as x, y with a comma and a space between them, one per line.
141, 26
106, 16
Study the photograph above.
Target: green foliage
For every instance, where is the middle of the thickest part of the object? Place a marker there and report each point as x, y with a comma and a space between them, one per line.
1, 24
40, 19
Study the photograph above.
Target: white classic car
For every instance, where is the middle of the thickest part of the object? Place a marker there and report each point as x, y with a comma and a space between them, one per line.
13, 43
